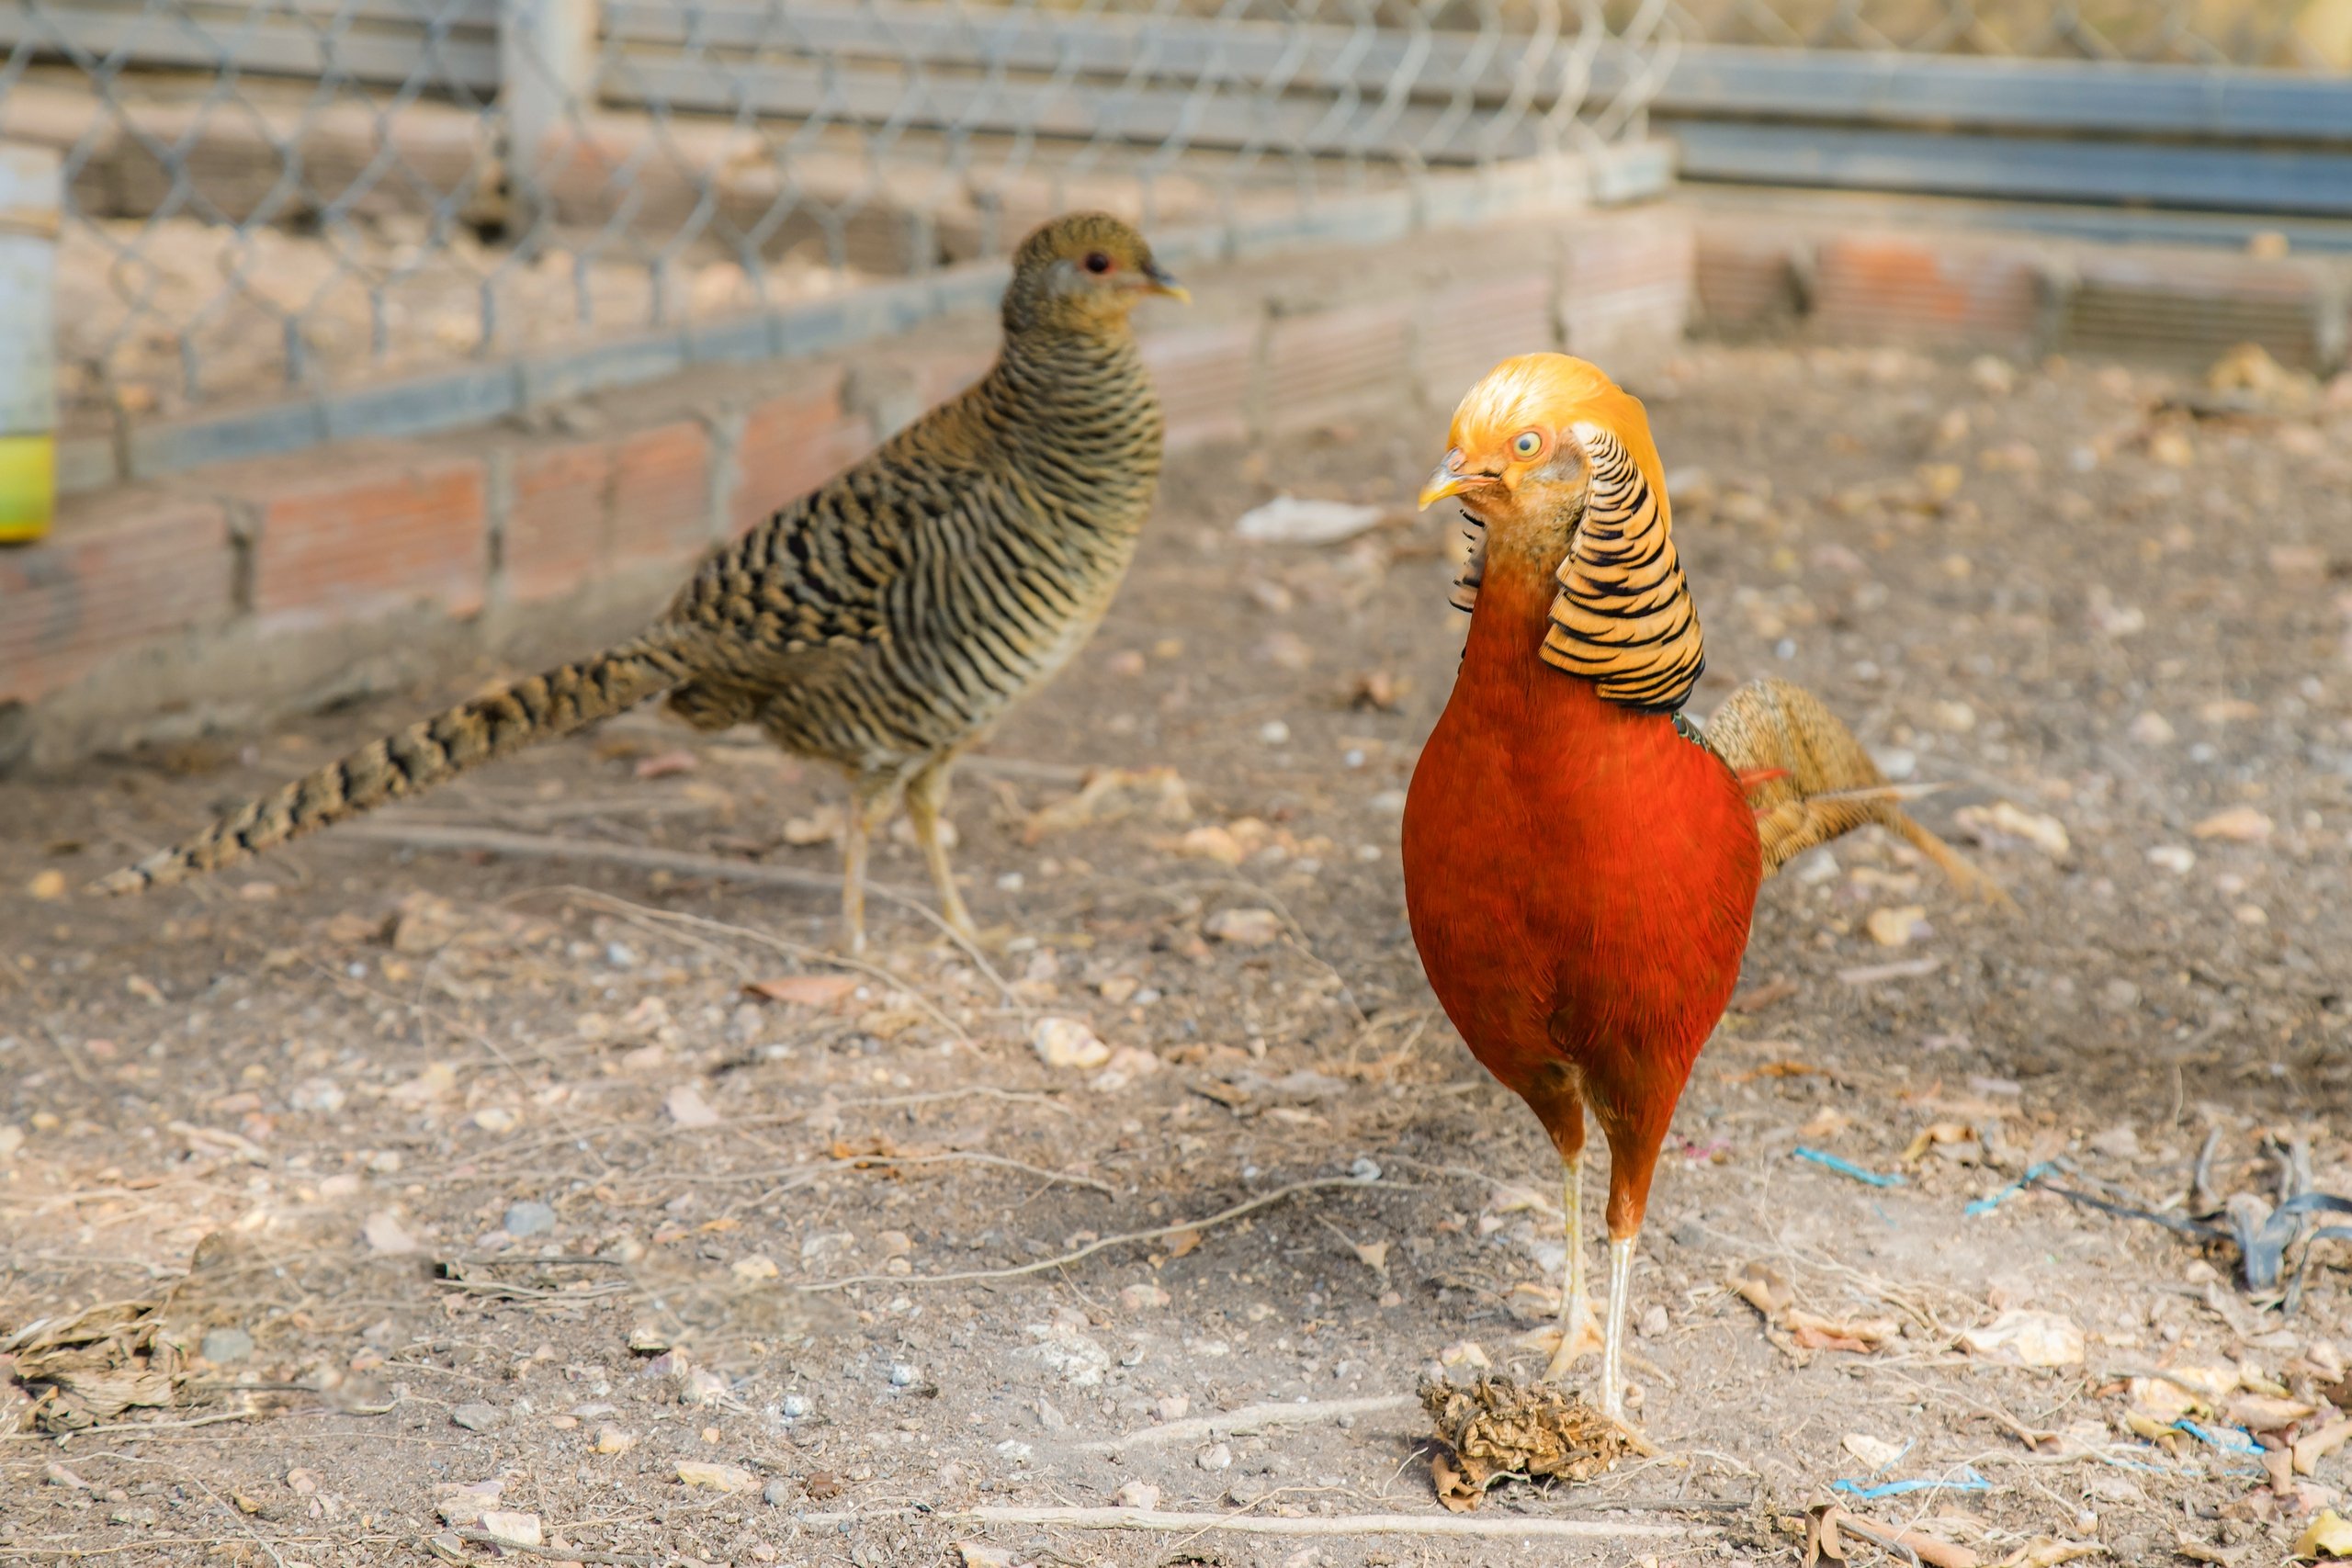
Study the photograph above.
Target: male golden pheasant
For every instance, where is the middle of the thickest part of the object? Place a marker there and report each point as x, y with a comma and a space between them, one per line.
1580, 862
880, 623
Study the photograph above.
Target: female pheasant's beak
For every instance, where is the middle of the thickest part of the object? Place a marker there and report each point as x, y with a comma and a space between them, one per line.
1449, 479
1165, 283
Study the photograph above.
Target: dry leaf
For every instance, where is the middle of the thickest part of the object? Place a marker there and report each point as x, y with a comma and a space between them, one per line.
385, 1235
715, 1477
2044, 1552
2328, 1535
1496, 1427
2315, 1446
687, 1107
1452, 1489
1245, 927
2239, 824
2264, 1413
2003, 820
1936, 1133
808, 990
1111, 794
510, 1527
2027, 1340
1896, 926
1863, 1334
1762, 1287
1876, 1452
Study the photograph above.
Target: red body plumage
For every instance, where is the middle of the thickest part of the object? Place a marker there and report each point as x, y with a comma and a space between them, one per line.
1580, 879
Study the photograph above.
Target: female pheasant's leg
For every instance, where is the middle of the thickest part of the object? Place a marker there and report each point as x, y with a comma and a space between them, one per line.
869, 802
926, 804
1612, 1367
1579, 1333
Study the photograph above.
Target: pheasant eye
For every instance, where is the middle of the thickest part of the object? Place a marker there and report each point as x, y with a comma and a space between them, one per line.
1526, 443
1096, 262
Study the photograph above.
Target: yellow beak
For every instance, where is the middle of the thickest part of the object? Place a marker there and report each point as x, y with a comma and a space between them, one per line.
1446, 481
1166, 285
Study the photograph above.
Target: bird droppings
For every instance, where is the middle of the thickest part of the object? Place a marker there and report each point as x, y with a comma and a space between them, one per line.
1496, 1426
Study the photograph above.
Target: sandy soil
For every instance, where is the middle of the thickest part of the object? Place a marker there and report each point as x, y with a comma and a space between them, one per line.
447, 1174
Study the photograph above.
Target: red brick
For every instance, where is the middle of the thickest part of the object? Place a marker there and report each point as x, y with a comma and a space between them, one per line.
1625, 286
557, 533
661, 495
1468, 329
2192, 308
791, 445
1321, 365
1872, 287
1746, 281
354, 533
1203, 377
123, 567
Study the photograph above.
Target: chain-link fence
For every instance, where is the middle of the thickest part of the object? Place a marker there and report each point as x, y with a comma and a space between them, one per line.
275, 195
274, 202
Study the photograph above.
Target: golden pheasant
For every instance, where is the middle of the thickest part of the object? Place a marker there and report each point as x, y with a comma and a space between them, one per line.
1580, 861
880, 623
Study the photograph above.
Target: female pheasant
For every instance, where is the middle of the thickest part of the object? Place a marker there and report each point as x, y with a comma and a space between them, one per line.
1580, 862
881, 622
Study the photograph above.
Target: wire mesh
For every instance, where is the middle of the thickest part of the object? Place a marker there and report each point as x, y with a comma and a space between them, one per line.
268, 195
276, 196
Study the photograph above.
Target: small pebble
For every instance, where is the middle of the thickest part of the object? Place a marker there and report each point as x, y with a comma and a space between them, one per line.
1364, 1169
902, 1375
227, 1344
529, 1217
794, 1407
1217, 1456
777, 1493
476, 1416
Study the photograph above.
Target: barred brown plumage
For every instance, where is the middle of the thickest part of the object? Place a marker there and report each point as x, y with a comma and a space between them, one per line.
1810, 780
1622, 617
881, 622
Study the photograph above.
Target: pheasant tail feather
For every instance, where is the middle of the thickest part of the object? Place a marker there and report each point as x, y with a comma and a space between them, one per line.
1810, 780
426, 753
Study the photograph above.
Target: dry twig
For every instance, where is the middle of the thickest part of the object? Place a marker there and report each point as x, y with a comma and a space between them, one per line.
1093, 1248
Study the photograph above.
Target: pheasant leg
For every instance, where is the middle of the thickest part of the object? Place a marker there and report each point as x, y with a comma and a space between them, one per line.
869, 803
1580, 1333
1612, 1353
926, 804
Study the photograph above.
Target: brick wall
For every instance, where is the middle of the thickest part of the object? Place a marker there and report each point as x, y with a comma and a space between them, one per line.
288, 574
2015, 293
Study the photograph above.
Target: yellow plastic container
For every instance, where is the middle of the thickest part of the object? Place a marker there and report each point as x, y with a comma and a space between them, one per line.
30, 193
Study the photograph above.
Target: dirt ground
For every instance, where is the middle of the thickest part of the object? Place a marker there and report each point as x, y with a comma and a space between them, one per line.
440, 1181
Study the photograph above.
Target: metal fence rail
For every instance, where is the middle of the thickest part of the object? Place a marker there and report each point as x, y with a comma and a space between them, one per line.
313, 198
269, 197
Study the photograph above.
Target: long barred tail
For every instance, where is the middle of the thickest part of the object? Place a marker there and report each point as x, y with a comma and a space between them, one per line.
1810, 780
426, 753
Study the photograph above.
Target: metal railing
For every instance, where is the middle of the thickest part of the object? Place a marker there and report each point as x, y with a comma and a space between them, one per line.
330, 217
2239, 105
286, 200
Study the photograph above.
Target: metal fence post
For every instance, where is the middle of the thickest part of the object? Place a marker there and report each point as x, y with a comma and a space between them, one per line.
547, 70
31, 190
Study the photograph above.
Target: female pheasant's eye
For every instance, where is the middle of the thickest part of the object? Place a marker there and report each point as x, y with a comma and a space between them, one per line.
1097, 262
1527, 444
